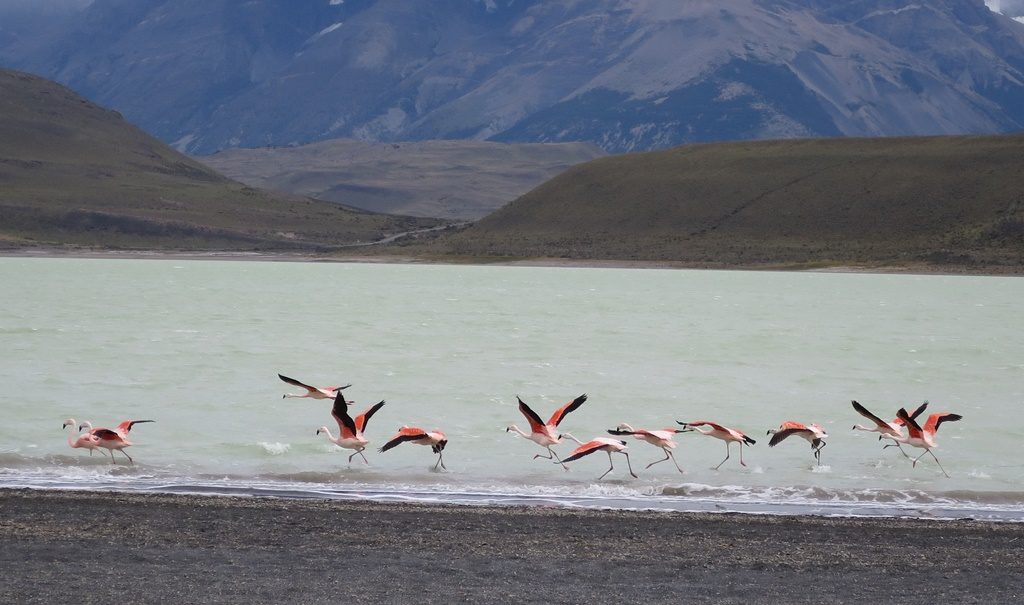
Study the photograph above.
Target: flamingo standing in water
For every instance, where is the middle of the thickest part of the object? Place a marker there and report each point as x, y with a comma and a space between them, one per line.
109, 440
887, 430
312, 392
350, 432
813, 433
87, 441
543, 433
602, 444
417, 436
925, 438
720, 432
662, 438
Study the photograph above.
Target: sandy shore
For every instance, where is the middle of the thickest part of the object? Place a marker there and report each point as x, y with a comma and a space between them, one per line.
148, 548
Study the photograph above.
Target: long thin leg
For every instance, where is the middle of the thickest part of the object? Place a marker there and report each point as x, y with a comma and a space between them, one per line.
939, 463
897, 444
742, 463
363, 456
440, 461
669, 452
130, 461
817, 452
726, 456
611, 465
628, 464
555, 457
660, 459
919, 457
112, 461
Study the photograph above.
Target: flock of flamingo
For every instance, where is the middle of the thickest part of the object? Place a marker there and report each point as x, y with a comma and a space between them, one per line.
546, 434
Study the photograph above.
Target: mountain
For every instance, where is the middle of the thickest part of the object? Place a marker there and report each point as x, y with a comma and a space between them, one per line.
944, 200
72, 172
626, 75
462, 180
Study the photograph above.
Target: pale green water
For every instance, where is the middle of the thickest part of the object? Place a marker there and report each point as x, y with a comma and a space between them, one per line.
196, 346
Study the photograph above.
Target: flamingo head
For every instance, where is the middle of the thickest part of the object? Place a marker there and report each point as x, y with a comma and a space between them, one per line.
439, 447
624, 427
322, 429
85, 425
69, 422
818, 428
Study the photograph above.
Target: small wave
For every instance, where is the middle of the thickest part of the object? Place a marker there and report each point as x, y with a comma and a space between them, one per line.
275, 448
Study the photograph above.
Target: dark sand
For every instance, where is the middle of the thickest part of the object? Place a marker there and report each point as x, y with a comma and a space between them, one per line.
82, 547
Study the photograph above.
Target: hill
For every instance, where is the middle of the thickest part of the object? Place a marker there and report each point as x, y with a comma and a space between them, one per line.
933, 199
622, 74
72, 172
463, 180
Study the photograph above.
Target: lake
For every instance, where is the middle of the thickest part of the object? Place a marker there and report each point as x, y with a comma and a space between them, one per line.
197, 345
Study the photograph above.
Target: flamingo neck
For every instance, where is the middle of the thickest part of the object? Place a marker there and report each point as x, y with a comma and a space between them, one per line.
72, 441
327, 433
518, 430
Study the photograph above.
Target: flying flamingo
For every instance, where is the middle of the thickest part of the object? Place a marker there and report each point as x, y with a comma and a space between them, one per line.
88, 441
435, 439
110, 440
602, 444
314, 392
813, 433
925, 438
660, 438
350, 432
544, 434
887, 430
720, 432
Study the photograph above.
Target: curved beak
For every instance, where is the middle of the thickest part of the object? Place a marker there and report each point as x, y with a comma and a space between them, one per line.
64, 426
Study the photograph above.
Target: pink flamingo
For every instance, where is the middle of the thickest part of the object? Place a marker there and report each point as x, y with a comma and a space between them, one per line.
925, 438
662, 438
350, 432
602, 444
813, 433
109, 440
720, 432
887, 430
417, 436
87, 441
543, 433
313, 392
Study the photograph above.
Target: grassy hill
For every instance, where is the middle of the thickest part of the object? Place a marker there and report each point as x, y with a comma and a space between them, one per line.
463, 180
956, 200
72, 172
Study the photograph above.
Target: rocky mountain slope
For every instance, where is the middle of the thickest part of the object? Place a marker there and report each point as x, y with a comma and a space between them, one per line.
623, 74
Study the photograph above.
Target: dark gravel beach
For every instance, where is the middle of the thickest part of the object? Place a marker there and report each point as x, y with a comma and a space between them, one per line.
93, 547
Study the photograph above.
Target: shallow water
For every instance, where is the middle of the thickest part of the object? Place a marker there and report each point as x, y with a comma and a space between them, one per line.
196, 346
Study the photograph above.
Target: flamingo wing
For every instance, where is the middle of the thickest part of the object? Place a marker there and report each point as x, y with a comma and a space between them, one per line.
297, 383
912, 426
565, 409
621, 432
935, 420
340, 413
363, 418
405, 434
863, 411
106, 435
713, 425
780, 436
536, 424
126, 426
587, 448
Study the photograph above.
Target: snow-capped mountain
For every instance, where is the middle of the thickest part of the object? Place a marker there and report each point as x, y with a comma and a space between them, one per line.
625, 74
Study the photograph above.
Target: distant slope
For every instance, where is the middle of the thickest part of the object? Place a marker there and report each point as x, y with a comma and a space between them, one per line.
72, 172
449, 179
939, 199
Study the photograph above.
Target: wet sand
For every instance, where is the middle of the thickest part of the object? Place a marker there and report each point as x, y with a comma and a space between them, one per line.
92, 547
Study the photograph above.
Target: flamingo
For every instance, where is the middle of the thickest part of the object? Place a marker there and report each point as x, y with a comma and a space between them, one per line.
602, 444
887, 430
720, 432
925, 438
662, 438
88, 441
435, 439
313, 392
109, 440
350, 432
544, 434
813, 433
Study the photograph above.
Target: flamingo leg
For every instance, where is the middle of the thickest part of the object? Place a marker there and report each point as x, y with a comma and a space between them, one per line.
552, 452
628, 464
742, 463
548, 457
363, 456
440, 461
611, 465
112, 461
817, 452
726, 457
660, 459
939, 463
897, 444
130, 461
919, 457
674, 461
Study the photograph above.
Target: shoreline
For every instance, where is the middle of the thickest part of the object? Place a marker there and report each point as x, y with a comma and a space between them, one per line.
310, 257
182, 548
